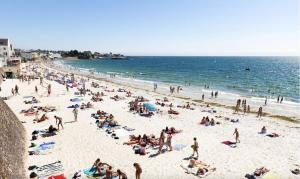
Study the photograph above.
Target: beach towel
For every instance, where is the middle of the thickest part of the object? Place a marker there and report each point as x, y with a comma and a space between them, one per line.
57, 177
49, 169
128, 128
74, 106
75, 100
229, 143
89, 171
150, 107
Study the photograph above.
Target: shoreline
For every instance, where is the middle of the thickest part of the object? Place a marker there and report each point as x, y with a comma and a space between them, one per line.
281, 115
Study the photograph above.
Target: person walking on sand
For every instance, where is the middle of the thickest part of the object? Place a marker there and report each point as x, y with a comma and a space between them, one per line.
75, 112
281, 99
237, 136
67, 87
202, 97
169, 142
245, 109
36, 89
58, 121
138, 170
195, 147
248, 109
278, 98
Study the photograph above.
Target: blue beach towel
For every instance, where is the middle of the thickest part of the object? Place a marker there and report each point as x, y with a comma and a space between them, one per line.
150, 107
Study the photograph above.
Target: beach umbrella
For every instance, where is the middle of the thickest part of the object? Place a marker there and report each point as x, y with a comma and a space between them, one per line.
150, 107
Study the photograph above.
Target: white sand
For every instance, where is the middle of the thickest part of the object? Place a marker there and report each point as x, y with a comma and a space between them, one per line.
80, 143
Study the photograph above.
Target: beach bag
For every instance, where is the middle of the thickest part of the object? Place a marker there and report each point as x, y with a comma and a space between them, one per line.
33, 175
142, 151
34, 137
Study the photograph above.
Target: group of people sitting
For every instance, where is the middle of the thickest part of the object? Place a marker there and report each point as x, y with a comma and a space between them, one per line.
86, 106
187, 106
208, 122
103, 169
96, 98
32, 101
140, 108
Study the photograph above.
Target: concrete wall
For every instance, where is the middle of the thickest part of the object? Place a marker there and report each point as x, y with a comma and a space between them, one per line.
12, 145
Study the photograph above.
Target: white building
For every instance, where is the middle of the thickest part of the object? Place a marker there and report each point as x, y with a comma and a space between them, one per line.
8, 61
6, 51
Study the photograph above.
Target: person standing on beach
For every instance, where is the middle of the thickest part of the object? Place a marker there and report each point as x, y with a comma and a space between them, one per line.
195, 147
67, 87
169, 141
75, 112
41, 81
16, 89
13, 91
155, 87
161, 141
266, 100
281, 99
49, 89
245, 109
138, 170
248, 109
212, 94
58, 121
202, 97
259, 113
36, 89
278, 98
237, 136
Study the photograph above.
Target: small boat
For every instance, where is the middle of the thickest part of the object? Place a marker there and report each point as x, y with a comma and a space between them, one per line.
247, 69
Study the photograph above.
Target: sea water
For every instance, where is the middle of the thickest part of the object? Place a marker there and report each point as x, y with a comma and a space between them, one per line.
248, 76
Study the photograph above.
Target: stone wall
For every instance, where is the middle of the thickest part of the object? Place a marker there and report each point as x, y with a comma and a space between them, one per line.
12, 145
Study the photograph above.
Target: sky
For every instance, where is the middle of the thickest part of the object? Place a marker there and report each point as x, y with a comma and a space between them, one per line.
155, 27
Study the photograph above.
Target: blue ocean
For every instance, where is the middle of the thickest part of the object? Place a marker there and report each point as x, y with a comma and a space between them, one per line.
248, 76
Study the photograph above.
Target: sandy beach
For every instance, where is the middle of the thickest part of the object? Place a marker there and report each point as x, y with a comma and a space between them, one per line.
80, 143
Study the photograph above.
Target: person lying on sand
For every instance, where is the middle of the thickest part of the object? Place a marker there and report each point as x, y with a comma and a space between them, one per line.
43, 118
171, 111
202, 168
172, 130
133, 140
261, 171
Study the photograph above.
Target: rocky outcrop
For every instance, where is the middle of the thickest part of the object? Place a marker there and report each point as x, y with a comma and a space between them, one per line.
12, 145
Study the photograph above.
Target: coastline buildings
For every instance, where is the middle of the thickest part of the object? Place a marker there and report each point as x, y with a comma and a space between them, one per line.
9, 62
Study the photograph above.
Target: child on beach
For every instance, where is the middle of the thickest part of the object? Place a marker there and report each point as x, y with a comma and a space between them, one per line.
237, 135
195, 147
75, 112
